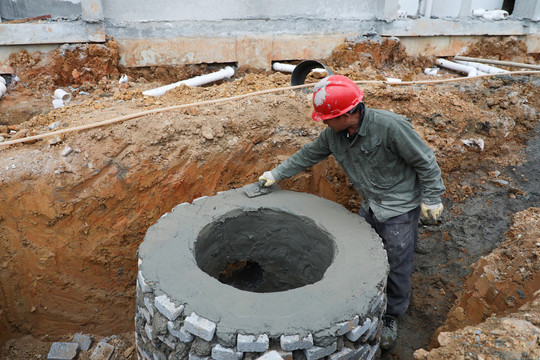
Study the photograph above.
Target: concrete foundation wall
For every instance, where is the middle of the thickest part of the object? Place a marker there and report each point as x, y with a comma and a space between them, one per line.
217, 10
254, 32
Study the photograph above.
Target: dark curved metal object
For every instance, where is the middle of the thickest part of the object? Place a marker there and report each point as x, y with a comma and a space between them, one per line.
302, 70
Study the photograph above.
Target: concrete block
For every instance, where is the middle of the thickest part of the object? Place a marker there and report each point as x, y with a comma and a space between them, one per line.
84, 341
372, 329
63, 351
358, 331
149, 331
103, 351
146, 314
221, 353
348, 353
372, 351
200, 326
168, 340
143, 354
252, 343
182, 333
193, 356
316, 352
285, 355
149, 305
143, 285
67, 150
165, 306
347, 326
294, 342
271, 355
158, 355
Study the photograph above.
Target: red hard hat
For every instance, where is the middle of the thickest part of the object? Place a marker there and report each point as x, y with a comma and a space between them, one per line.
334, 96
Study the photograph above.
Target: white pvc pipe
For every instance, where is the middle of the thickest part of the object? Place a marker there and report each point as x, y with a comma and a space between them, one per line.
482, 67
224, 73
62, 95
469, 70
290, 68
491, 14
3, 88
283, 67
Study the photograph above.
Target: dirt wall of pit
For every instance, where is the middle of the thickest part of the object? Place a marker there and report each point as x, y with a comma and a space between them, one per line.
70, 225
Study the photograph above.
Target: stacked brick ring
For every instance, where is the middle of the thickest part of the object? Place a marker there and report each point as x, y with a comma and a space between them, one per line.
311, 278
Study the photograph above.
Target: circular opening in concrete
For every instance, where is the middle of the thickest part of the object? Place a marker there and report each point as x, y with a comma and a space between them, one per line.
264, 250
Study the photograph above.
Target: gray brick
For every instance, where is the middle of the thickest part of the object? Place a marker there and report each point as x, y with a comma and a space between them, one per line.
84, 341
372, 330
372, 351
149, 331
358, 331
149, 305
271, 355
143, 285
103, 351
158, 355
146, 314
316, 352
63, 351
252, 343
293, 342
222, 353
347, 326
193, 356
200, 326
168, 340
143, 353
181, 333
348, 353
165, 306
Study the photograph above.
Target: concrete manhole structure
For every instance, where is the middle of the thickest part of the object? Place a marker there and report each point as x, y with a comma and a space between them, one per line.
284, 274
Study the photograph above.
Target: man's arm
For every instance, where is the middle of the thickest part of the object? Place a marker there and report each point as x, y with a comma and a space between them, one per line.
309, 155
407, 143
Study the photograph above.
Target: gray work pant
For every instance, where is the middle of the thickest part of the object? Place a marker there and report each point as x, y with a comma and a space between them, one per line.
399, 235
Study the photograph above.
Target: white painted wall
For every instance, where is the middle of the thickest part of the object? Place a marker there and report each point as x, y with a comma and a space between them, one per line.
215, 10
411, 7
445, 9
486, 4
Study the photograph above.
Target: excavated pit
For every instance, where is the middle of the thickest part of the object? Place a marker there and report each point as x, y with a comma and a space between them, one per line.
286, 271
262, 251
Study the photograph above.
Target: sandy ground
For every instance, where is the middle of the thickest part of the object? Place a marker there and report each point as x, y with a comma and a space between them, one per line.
70, 225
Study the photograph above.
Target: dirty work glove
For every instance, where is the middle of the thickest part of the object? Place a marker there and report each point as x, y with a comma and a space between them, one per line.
268, 178
431, 213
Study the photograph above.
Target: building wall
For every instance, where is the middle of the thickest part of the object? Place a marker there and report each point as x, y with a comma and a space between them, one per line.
254, 32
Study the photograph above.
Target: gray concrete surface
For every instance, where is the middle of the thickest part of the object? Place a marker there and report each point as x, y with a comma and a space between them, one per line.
347, 288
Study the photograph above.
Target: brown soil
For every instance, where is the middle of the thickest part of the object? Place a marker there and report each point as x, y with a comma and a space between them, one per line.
70, 225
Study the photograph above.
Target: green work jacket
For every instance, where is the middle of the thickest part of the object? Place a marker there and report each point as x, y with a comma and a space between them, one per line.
389, 165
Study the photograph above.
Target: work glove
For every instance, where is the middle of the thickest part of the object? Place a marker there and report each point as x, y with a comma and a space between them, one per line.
431, 213
268, 178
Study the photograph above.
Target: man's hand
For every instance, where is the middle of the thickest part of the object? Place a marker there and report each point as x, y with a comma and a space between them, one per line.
431, 213
268, 178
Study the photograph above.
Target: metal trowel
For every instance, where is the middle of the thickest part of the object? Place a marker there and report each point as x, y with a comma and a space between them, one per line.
258, 188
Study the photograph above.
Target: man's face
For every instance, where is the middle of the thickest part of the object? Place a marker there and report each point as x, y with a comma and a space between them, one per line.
339, 123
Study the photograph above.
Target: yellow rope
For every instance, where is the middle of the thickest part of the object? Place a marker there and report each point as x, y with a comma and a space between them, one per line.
237, 97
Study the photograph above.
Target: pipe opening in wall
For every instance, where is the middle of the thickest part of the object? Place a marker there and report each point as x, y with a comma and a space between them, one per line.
264, 250
508, 5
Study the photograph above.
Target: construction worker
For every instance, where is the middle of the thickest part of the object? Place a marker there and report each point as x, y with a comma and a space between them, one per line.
392, 169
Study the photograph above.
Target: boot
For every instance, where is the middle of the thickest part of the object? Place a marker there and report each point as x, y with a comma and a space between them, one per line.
389, 332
